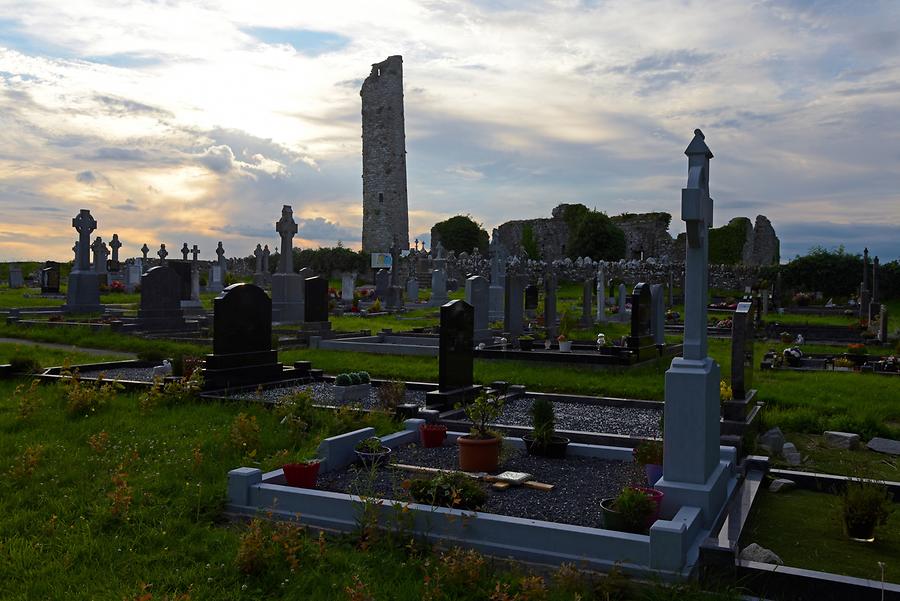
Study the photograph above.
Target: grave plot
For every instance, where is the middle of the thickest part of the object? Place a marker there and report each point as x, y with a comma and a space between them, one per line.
788, 360
324, 394
622, 418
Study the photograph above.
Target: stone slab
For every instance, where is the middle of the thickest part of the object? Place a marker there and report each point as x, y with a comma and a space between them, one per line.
841, 440
884, 445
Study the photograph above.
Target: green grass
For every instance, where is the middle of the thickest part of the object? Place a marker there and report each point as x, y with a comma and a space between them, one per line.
26, 298
49, 357
804, 529
860, 463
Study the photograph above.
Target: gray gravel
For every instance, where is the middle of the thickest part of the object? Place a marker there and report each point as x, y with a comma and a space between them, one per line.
323, 394
132, 374
580, 483
583, 417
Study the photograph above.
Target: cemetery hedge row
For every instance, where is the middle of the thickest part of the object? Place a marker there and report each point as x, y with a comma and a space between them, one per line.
835, 273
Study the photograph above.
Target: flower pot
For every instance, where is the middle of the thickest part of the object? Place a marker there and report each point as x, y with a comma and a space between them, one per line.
555, 449
861, 532
302, 475
370, 460
565, 346
654, 473
657, 497
432, 435
352, 392
478, 454
612, 519
526, 345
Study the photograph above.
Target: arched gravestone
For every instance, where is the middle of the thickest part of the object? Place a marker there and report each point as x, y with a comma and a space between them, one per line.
456, 354
316, 297
161, 300
242, 339
641, 340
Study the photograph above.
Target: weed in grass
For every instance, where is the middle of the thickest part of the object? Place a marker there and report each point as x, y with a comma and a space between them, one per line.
391, 394
196, 458
98, 442
122, 493
254, 551
533, 588
570, 580
27, 462
27, 400
244, 434
169, 394
86, 398
613, 586
357, 590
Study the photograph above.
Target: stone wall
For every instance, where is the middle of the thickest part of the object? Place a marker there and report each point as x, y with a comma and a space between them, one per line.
385, 208
647, 235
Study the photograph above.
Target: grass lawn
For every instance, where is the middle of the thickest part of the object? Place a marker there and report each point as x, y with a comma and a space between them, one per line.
49, 357
861, 462
804, 529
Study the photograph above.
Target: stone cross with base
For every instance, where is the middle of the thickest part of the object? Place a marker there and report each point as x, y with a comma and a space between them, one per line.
145, 249
75, 250
196, 253
258, 254
220, 253
97, 250
162, 253
115, 245
84, 224
265, 258
286, 228
395, 261
184, 251
694, 471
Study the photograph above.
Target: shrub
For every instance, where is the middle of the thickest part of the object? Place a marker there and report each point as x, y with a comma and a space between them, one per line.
649, 453
355, 379
460, 234
865, 503
543, 421
452, 489
343, 380
84, 399
635, 507
483, 410
244, 433
364, 377
376, 306
391, 394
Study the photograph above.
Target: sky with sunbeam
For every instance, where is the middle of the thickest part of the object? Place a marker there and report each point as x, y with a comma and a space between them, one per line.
195, 121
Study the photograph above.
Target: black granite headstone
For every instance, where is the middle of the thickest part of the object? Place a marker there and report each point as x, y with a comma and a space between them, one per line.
456, 354
742, 339
50, 278
641, 341
382, 283
242, 320
531, 297
183, 269
316, 299
161, 300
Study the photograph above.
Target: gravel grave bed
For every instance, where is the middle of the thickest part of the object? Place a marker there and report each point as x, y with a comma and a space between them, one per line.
132, 374
581, 417
323, 394
580, 483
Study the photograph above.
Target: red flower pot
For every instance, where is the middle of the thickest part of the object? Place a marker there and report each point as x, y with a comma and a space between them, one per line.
301, 475
432, 435
656, 496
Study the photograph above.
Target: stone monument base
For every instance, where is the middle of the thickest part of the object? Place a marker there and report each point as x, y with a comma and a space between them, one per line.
643, 347
448, 399
287, 298
162, 320
316, 328
83, 295
709, 497
241, 369
192, 307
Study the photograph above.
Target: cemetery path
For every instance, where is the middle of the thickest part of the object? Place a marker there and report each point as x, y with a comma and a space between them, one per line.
69, 347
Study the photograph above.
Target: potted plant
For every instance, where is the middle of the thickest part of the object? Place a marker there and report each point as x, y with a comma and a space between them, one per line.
543, 440
526, 343
656, 496
452, 489
479, 450
866, 505
353, 386
631, 511
301, 473
565, 329
650, 455
371, 452
432, 435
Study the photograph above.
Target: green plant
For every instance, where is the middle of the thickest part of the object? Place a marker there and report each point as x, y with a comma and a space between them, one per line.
364, 377
355, 379
566, 325
543, 421
28, 400
391, 394
24, 364
343, 380
86, 398
482, 411
526, 338
451, 489
635, 507
865, 505
244, 434
376, 306
649, 452
370, 445
844, 362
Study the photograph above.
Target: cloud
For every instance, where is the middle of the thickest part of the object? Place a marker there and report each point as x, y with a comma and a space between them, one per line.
119, 154
123, 106
86, 177
219, 159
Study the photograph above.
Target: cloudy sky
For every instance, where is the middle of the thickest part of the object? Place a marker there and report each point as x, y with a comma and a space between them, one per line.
194, 122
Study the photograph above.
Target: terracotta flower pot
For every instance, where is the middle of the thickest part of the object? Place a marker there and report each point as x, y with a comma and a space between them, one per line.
432, 435
302, 475
478, 454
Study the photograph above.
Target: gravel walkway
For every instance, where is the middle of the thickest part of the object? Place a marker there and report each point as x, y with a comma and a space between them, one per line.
583, 417
323, 394
132, 374
579, 483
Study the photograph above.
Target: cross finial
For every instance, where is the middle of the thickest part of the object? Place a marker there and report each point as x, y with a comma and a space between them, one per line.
162, 253
196, 252
83, 222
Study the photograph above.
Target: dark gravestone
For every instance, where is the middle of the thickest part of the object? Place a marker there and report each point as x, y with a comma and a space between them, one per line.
316, 298
456, 355
242, 339
382, 284
742, 340
50, 278
183, 269
531, 297
513, 318
641, 341
161, 300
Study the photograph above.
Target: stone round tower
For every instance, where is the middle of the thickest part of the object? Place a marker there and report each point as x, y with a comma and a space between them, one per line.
385, 208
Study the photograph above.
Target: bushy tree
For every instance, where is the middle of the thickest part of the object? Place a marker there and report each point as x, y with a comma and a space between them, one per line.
833, 272
461, 234
326, 260
594, 235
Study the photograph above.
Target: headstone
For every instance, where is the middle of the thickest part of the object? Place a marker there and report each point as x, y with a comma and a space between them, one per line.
477, 290
382, 283
195, 274
265, 262
215, 281
874, 305
438, 288
287, 286
183, 270
162, 253
456, 354
115, 245
587, 302
498, 278
83, 294
513, 312
101, 252
412, 289
223, 262
316, 299
841, 440
623, 315
883, 324
764, 300
550, 305
742, 341
641, 340
772, 441
258, 272
50, 278
864, 296
144, 250
184, 252
15, 276
531, 301
601, 295
133, 272
161, 292
695, 472
242, 339
395, 292
348, 285
658, 314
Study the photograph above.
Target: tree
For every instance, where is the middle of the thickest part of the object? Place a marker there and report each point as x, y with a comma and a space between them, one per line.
595, 235
460, 234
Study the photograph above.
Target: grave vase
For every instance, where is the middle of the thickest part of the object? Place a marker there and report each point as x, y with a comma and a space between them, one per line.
302, 475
